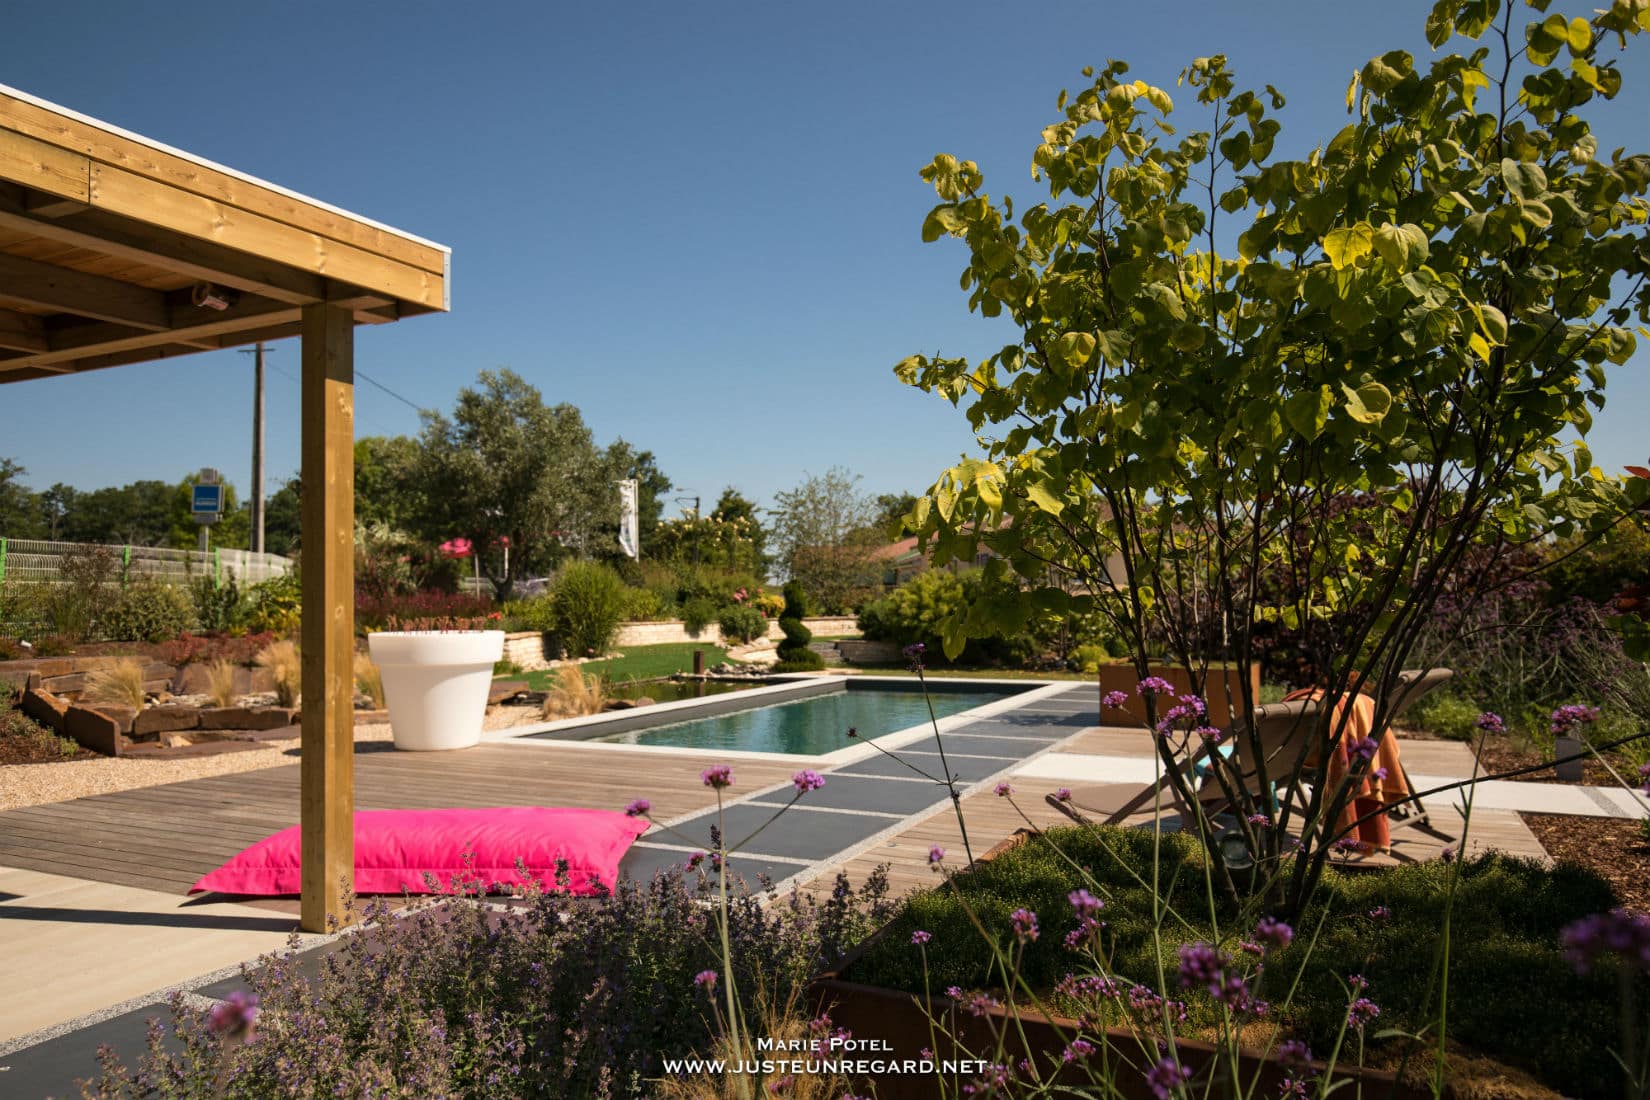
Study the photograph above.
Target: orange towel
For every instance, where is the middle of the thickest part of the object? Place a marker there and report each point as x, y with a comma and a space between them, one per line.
1382, 784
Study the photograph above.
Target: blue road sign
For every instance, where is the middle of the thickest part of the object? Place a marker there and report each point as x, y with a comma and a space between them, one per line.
207, 500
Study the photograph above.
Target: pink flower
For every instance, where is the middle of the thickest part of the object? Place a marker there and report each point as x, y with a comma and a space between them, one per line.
1155, 684
1063, 794
717, 776
807, 780
638, 808
935, 854
1004, 790
234, 1016
706, 980
1114, 699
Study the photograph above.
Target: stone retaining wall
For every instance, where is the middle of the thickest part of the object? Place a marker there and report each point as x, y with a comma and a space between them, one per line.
527, 649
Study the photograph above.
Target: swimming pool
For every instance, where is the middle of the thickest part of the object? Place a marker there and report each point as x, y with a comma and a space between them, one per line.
810, 726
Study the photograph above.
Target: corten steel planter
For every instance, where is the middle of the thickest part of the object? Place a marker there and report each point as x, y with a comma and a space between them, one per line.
895, 1025
435, 684
1218, 683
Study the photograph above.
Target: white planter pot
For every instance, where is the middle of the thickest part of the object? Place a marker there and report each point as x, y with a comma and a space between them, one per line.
435, 684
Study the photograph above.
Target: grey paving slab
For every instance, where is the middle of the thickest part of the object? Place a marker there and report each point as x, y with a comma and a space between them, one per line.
982, 744
970, 768
1057, 725
798, 834
889, 796
642, 864
52, 1068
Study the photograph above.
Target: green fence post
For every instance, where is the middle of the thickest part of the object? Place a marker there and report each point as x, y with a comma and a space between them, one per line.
2, 559
217, 567
125, 565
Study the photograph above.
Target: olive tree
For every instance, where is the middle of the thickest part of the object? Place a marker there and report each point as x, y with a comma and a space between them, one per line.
1394, 363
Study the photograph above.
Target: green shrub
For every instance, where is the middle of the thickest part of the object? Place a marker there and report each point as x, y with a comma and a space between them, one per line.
220, 607
585, 607
533, 613
742, 623
914, 611
644, 605
1088, 658
697, 614
1447, 715
1505, 964
794, 654
148, 612
274, 606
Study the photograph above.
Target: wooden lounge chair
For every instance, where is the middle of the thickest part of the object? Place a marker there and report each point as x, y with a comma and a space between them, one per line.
1282, 730
1413, 685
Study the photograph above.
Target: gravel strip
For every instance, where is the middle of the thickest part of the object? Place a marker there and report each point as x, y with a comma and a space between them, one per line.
36, 784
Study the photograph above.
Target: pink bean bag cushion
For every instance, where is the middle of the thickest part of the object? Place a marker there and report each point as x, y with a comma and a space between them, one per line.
395, 848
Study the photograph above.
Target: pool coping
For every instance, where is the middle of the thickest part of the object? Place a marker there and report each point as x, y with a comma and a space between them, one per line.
582, 731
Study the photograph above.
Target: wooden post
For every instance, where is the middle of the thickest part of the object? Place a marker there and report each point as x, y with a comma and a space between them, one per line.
327, 801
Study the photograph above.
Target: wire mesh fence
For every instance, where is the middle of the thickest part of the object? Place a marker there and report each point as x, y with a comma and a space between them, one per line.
34, 560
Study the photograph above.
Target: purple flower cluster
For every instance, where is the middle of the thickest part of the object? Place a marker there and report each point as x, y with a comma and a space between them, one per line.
1076, 1051
1210, 734
1273, 934
1570, 716
1360, 1012
1203, 964
1154, 685
1380, 913
1490, 722
235, 1016
1167, 1077
913, 655
920, 938
1003, 790
1064, 793
1144, 1001
1089, 985
717, 776
1083, 903
1365, 747
706, 980
1024, 923
1114, 699
807, 780
1621, 932
638, 808
935, 854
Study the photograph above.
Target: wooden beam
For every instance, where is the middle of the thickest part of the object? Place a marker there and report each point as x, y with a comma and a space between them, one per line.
22, 331
110, 235
327, 780
45, 167
60, 290
192, 325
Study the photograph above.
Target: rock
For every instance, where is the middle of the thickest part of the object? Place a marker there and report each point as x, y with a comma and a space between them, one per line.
644, 701
247, 718
165, 720
620, 704
175, 740
123, 716
93, 730
72, 683
45, 708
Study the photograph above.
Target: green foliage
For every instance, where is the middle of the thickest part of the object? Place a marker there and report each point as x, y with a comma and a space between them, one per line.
585, 608
146, 611
1089, 658
919, 610
77, 603
698, 613
826, 536
643, 605
794, 654
274, 606
1446, 714
220, 606
742, 623
534, 613
1308, 435
1505, 962
1598, 570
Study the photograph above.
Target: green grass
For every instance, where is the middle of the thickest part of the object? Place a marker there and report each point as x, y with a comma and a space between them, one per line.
1512, 996
640, 663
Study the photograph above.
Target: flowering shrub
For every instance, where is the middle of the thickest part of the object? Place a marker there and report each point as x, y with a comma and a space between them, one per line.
398, 612
1362, 953
554, 998
195, 648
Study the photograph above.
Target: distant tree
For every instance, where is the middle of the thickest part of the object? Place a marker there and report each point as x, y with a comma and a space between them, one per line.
892, 508
140, 513
622, 461
387, 486
823, 531
55, 505
19, 508
506, 465
733, 506
283, 520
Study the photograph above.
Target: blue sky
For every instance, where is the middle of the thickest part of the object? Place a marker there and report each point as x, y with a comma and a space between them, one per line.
699, 223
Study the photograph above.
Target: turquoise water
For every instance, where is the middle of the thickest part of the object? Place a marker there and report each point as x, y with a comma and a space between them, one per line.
808, 726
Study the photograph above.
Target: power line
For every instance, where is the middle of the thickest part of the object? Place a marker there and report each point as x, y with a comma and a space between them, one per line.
365, 377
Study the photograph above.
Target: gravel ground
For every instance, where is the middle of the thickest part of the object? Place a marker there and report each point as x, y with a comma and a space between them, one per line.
34, 784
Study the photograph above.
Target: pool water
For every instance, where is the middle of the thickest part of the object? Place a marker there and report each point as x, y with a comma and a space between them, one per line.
810, 726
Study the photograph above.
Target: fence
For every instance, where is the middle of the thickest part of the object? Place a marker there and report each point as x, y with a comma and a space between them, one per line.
35, 560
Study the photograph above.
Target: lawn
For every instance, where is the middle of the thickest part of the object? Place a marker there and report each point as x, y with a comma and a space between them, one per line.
648, 662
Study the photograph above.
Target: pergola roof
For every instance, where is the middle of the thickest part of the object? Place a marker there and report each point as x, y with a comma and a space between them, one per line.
109, 242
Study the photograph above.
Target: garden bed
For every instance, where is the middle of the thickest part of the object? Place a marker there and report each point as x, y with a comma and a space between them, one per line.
1505, 966
1613, 848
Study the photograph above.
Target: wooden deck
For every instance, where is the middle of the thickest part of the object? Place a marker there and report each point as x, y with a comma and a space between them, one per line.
164, 838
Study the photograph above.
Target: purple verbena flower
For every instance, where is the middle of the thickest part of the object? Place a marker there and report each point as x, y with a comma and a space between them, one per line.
1003, 790
1166, 1078
1448, 854
1083, 903
638, 808
1076, 1051
1490, 722
1024, 923
913, 655
1154, 685
1571, 715
919, 938
1114, 699
694, 860
1259, 821
1063, 794
1381, 913
935, 854
1273, 934
1210, 734
1365, 747
1361, 1012
807, 780
706, 980
954, 992
1293, 1052
1621, 932
235, 1016
717, 776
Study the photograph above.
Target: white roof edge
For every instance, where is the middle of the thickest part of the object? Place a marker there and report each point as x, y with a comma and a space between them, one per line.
215, 166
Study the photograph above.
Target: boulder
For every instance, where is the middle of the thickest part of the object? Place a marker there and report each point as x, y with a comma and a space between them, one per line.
166, 720
247, 718
93, 730
45, 708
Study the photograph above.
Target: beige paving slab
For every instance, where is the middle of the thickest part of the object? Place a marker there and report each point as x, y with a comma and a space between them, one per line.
79, 946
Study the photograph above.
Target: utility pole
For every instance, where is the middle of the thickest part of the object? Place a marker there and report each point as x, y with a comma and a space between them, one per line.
256, 501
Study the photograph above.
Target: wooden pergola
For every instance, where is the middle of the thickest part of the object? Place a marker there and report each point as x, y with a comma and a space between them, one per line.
116, 250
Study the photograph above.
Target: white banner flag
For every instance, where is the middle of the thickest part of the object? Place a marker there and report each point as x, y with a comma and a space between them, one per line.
629, 522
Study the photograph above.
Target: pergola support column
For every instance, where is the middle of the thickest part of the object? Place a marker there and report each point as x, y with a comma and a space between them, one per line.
328, 637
